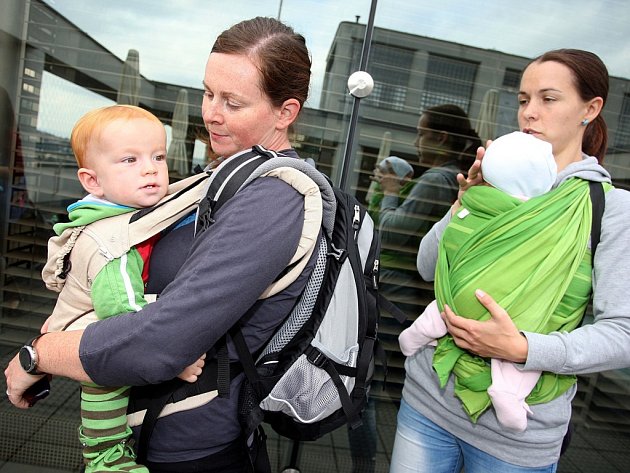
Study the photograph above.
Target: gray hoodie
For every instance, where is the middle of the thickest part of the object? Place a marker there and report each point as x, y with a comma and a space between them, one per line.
602, 345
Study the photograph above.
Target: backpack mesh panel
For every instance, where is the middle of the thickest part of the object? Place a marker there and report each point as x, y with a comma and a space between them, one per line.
306, 392
304, 308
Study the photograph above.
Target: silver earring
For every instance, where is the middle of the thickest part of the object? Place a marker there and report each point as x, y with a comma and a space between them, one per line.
584, 122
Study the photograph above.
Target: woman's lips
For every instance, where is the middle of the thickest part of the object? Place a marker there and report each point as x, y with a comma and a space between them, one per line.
216, 136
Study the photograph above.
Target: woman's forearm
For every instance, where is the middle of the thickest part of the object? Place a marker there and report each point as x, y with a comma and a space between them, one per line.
58, 354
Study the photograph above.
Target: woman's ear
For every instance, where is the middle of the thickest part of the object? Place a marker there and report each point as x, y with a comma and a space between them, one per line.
89, 181
442, 137
289, 111
593, 108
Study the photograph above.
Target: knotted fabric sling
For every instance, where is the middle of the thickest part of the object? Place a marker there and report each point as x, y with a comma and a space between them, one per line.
532, 258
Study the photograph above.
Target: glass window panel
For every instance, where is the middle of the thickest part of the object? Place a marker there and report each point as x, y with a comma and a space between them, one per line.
622, 141
61, 58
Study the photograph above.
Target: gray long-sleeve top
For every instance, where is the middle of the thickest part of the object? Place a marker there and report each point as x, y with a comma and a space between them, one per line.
402, 225
603, 345
229, 265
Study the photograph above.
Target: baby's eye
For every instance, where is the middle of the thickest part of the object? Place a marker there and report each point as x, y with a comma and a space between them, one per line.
160, 157
129, 159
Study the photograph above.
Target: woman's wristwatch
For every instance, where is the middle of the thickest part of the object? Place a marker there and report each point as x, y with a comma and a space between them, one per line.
28, 357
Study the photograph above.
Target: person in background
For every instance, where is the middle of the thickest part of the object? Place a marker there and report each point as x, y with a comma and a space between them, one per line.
446, 144
256, 82
403, 170
561, 97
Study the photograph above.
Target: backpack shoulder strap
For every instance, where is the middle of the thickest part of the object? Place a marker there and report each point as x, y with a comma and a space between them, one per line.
598, 203
319, 201
226, 181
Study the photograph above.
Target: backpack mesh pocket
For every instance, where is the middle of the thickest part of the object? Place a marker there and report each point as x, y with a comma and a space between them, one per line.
306, 392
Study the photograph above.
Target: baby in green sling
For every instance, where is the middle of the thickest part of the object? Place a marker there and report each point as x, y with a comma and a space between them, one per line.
523, 167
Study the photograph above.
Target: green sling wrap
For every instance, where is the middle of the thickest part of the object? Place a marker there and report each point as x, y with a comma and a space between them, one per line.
532, 258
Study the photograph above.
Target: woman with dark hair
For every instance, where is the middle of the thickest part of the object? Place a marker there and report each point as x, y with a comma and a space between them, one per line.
445, 130
256, 82
561, 96
408, 210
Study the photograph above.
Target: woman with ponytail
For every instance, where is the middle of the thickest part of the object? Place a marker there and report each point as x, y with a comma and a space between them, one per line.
406, 210
561, 97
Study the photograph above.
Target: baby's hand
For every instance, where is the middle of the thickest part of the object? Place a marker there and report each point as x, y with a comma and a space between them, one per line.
44, 328
192, 372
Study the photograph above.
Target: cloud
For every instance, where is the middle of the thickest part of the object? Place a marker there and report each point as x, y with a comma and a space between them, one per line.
174, 38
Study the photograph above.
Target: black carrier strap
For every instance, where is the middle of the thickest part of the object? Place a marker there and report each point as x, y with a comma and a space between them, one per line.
154, 397
598, 203
227, 181
392, 309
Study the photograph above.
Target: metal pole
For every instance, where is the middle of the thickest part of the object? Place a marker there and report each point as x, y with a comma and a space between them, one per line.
280, 10
354, 115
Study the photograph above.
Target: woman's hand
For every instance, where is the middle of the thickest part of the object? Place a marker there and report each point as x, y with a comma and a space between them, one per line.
18, 381
388, 179
497, 337
474, 176
192, 372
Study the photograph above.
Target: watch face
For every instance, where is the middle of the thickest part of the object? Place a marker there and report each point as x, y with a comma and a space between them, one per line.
26, 359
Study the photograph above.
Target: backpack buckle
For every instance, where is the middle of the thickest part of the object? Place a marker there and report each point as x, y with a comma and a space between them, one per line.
316, 357
339, 254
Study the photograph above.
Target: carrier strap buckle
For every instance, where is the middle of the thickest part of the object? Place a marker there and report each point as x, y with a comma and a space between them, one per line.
316, 357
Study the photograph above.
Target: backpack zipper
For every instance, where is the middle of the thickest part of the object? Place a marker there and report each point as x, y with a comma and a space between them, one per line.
356, 220
375, 274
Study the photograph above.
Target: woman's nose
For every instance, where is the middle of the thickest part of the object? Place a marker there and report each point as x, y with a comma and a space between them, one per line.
529, 111
209, 111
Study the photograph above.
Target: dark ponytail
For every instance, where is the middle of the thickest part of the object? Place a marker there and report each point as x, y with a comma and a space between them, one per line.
595, 141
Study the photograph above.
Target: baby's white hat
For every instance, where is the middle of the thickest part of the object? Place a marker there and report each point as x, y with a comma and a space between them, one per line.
398, 165
520, 165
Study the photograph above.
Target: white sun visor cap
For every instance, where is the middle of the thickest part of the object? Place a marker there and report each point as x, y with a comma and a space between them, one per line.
520, 165
401, 167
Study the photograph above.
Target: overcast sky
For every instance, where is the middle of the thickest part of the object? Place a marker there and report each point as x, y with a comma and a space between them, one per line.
174, 37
